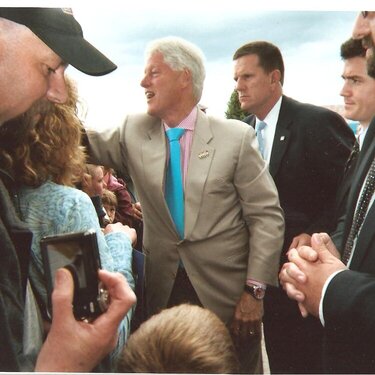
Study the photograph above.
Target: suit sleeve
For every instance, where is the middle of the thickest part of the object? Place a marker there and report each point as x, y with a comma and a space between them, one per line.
349, 306
331, 144
108, 147
261, 211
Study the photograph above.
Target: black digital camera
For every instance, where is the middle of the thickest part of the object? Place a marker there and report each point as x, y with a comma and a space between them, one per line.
78, 252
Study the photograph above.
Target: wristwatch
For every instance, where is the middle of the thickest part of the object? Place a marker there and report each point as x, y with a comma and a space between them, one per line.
256, 291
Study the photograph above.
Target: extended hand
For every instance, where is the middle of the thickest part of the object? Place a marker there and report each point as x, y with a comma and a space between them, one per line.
302, 239
137, 211
119, 227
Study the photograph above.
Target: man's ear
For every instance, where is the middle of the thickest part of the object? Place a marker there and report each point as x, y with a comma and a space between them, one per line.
276, 76
186, 78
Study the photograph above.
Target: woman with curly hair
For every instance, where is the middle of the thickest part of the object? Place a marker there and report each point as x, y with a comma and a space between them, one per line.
44, 155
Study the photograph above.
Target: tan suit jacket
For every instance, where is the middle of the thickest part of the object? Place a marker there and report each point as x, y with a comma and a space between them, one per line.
234, 225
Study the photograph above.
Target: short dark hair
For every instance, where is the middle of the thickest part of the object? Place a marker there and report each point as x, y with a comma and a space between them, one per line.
352, 48
269, 55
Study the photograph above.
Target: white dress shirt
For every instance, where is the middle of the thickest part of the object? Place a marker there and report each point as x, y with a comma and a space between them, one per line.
361, 136
270, 129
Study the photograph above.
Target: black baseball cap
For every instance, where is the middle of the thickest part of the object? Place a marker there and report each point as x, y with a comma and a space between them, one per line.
57, 28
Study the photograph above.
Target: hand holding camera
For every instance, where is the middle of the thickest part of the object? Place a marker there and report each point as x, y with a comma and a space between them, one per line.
77, 252
92, 341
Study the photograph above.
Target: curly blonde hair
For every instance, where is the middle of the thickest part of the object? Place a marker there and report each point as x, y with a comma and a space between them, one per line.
45, 143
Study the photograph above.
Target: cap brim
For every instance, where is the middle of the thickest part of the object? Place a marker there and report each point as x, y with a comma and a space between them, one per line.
78, 52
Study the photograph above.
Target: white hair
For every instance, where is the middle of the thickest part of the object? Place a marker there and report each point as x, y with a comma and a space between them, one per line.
180, 54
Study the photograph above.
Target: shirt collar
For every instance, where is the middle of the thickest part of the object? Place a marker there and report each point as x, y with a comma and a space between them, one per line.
188, 123
361, 136
273, 114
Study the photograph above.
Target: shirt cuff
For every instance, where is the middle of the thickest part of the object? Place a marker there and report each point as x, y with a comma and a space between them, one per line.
325, 286
251, 282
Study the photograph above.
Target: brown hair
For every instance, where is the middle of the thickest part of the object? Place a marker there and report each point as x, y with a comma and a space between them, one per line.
109, 198
269, 55
352, 48
44, 143
182, 339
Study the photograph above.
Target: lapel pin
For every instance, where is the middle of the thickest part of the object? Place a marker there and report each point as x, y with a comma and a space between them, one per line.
203, 154
282, 138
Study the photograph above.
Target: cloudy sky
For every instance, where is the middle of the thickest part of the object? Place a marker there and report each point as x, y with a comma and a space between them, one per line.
309, 41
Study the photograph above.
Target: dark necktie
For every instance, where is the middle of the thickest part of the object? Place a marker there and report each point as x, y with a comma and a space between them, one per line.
174, 191
360, 212
352, 157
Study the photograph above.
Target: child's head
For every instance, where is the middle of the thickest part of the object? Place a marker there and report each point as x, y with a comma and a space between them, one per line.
181, 339
92, 180
109, 201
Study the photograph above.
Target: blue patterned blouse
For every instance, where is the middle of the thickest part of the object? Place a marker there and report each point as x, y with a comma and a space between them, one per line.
54, 209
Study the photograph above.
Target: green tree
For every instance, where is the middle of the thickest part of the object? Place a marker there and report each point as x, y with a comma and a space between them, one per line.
234, 108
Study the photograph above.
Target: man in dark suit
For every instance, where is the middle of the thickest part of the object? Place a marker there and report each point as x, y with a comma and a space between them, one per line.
358, 91
306, 147
343, 295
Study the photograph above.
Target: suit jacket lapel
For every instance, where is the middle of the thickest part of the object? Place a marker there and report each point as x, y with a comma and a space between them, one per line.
199, 164
281, 138
154, 161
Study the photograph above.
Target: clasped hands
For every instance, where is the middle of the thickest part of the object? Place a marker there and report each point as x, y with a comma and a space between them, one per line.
304, 276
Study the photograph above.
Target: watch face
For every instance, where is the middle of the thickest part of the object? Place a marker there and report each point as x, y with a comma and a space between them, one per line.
258, 292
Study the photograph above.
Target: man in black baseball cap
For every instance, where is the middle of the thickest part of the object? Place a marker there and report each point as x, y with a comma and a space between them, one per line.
57, 28
36, 44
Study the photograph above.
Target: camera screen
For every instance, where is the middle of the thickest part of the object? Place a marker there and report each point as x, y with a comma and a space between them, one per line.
77, 252
67, 254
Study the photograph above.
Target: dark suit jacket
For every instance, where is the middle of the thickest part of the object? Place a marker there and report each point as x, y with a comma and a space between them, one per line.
345, 185
15, 245
349, 303
310, 149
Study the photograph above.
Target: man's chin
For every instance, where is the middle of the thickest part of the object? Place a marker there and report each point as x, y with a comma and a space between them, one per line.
152, 111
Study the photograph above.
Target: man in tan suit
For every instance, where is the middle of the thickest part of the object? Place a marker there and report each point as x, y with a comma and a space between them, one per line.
233, 224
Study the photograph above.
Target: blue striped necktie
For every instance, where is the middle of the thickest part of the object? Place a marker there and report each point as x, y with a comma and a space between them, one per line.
174, 191
259, 130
